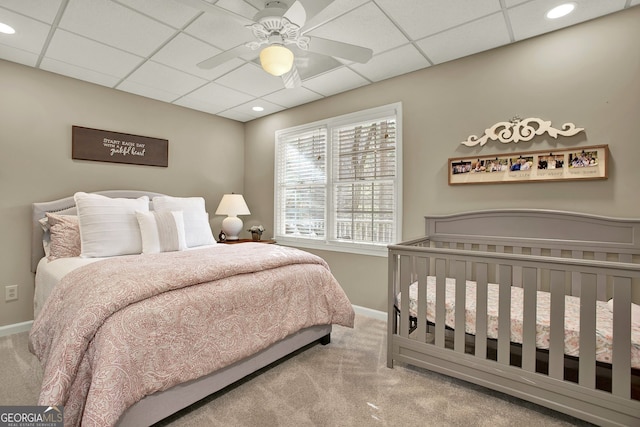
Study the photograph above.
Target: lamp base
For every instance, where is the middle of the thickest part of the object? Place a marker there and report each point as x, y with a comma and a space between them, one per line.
232, 226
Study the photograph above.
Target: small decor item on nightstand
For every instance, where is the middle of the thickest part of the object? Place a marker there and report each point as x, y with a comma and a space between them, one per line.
222, 237
256, 232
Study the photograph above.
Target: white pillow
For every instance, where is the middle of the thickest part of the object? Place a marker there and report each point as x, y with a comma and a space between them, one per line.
161, 231
196, 219
108, 226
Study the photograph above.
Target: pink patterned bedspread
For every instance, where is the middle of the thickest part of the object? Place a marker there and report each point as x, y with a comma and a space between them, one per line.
604, 318
117, 330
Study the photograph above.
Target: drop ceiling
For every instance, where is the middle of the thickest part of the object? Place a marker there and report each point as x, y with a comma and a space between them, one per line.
151, 47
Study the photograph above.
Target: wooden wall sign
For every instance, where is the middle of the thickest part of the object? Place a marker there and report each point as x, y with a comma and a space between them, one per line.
115, 147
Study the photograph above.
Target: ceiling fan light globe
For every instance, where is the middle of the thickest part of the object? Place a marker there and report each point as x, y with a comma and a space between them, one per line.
276, 59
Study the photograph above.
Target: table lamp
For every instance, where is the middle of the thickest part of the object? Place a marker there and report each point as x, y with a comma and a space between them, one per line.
232, 205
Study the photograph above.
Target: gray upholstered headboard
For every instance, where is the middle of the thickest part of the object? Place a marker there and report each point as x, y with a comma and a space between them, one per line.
534, 227
66, 206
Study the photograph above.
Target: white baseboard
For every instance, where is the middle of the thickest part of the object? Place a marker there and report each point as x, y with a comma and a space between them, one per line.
16, 328
375, 314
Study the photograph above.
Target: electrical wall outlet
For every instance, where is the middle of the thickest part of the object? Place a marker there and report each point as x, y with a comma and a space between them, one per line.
10, 293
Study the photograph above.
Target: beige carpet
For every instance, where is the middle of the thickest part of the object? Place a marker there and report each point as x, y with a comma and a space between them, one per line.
345, 383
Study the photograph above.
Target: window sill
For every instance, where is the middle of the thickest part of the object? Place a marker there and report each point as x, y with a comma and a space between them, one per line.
352, 248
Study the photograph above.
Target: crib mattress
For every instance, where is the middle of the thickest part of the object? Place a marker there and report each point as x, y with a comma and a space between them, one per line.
604, 318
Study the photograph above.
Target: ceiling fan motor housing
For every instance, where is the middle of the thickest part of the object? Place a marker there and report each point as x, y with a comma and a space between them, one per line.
272, 10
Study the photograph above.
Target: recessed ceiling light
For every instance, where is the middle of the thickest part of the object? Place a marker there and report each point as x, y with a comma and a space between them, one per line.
257, 108
4, 28
560, 11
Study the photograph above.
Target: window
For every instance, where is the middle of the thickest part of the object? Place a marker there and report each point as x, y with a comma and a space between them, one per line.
338, 182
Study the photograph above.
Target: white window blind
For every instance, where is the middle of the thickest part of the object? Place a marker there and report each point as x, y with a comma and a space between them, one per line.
363, 182
302, 178
338, 182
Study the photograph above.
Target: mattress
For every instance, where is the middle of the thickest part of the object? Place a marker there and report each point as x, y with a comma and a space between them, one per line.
604, 318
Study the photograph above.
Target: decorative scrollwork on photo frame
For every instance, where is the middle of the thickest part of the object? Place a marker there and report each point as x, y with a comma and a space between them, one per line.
518, 129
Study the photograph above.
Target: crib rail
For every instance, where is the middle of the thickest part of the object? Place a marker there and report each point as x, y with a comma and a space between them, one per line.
593, 275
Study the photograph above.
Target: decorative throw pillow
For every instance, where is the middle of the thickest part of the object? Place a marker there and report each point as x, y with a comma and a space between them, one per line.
108, 226
64, 231
196, 219
161, 231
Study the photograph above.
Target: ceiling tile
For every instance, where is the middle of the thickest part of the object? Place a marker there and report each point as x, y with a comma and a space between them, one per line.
529, 19
17, 55
146, 91
219, 30
392, 63
157, 76
269, 108
43, 10
115, 25
252, 80
332, 11
30, 35
214, 97
169, 12
365, 26
477, 36
79, 73
88, 54
334, 82
234, 115
185, 52
292, 97
420, 18
240, 7
511, 3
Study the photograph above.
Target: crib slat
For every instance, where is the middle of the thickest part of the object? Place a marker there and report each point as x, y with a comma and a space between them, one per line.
421, 269
556, 335
517, 270
530, 285
504, 314
481, 309
440, 266
587, 370
575, 276
460, 305
468, 247
602, 278
621, 358
405, 282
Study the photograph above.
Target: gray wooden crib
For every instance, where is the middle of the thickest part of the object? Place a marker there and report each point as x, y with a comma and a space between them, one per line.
563, 281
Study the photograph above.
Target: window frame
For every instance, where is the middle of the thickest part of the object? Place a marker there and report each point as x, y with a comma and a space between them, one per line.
327, 242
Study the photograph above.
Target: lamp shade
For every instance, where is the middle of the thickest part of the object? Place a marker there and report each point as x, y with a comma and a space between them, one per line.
276, 59
232, 205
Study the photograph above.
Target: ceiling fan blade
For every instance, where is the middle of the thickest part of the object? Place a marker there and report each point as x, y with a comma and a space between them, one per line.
223, 57
292, 79
342, 50
211, 8
303, 10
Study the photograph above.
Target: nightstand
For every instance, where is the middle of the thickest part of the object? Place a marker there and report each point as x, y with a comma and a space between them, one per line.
231, 242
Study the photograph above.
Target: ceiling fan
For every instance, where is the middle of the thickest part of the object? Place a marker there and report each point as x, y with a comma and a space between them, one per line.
276, 29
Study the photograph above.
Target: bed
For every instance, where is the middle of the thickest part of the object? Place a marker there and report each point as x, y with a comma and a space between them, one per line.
130, 330
564, 283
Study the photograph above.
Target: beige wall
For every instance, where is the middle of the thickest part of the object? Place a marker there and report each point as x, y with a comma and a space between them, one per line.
587, 74
37, 110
